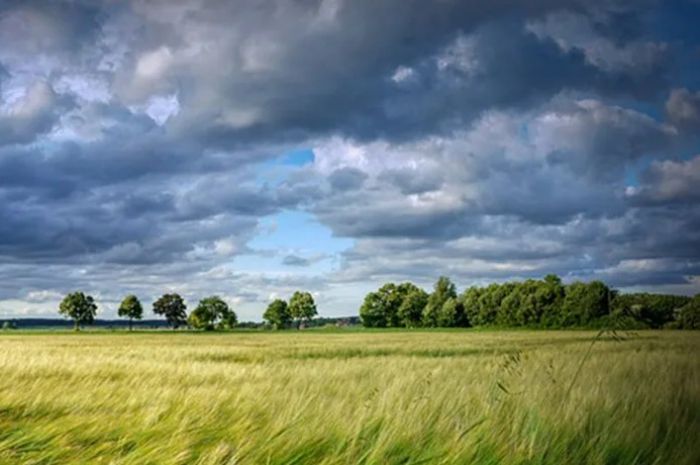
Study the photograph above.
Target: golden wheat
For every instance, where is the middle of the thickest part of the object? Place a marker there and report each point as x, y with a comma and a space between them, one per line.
319, 397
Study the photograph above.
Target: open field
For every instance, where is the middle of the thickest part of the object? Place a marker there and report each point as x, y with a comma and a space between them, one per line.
350, 397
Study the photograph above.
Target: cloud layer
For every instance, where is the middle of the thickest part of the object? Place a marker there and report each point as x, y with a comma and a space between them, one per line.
252, 148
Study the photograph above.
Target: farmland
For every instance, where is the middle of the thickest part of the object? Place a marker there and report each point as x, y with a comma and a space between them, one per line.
345, 397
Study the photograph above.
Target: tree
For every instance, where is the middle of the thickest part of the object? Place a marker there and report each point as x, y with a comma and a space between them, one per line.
277, 314
585, 302
470, 302
689, 315
372, 311
173, 308
443, 291
652, 310
392, 297
212, 312
550, 296
545, 303
509, 307
381, 308
411, 310
131, 308
79, 307
490, 300
228, 320
302, 307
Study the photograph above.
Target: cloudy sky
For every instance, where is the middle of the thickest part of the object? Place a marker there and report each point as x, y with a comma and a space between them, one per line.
251, 148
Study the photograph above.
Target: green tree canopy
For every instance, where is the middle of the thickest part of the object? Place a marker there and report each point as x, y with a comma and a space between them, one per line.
451, 314
470, 303
372, 311
130, 308
302, 306
380, 308
79, 307
411, 309
173, 308
652, 310
545, 302
277, 314
689, 315
585, 302
443, 291
212, 312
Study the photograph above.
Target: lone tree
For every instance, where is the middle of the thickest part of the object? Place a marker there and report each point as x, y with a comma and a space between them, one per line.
131, 308
277, 314
302, 307
79, 307
212, 312
173, 308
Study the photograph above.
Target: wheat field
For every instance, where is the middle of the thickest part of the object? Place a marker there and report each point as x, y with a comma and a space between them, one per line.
350, 397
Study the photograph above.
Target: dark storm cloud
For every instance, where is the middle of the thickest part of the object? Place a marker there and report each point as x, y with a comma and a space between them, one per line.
293, 69
560, 161
347, 179
683, 109
45, 27
413, 181
669, 183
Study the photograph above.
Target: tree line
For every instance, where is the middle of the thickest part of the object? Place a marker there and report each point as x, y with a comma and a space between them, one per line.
211, 312
546, 303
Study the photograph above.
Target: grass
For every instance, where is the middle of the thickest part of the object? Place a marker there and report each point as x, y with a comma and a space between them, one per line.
452, 397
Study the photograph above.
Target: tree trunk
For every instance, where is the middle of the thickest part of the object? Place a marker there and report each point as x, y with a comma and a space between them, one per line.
130, 320
76, 326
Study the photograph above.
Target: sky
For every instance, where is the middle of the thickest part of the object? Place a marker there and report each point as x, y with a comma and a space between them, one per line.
248, 149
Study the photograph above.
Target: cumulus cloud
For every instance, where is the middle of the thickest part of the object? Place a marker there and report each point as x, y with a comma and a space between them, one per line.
30, 114
670, 182
683, 108
574, 31
546, 166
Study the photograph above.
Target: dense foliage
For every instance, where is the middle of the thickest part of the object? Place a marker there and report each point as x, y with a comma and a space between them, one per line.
131, 308
653, 310
533, 303
302, 307
277, 314
688, 316
212, 312
394, 305
79, 307
173, 308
